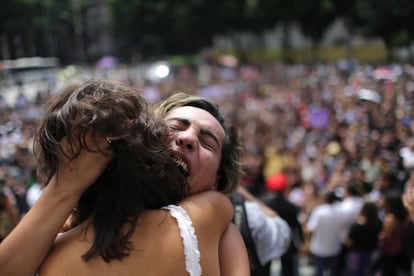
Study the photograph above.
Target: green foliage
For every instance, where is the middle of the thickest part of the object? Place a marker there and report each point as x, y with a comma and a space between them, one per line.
15, 15
21, 16
388, 19
191, 24
315, 16
176, 18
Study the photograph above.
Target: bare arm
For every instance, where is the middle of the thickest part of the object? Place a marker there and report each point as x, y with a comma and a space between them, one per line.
249, 197
207, 207
234, 260
388, 228
223, 246
33, 237
408, 200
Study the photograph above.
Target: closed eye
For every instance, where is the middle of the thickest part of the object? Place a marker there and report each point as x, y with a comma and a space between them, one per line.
209, 138
207, 145
173, 127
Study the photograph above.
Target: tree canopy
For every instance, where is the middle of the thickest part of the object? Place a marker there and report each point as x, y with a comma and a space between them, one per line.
187, 26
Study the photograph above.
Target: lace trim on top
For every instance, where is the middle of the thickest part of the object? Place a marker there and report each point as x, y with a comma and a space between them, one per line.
191, 251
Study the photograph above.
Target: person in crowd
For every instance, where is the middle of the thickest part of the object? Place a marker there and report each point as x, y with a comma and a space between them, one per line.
408, 201
101, 152
408, 196
362, 240
278, 187
16, 189
253, 177
266, 235
394, 257
387, 182
348, 210
323, 226
8, 216
35, 189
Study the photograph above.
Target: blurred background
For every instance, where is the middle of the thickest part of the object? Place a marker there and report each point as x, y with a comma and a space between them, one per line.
322, 91
52, 41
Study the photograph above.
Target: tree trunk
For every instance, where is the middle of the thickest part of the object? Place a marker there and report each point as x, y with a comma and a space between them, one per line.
388, 48
286, 46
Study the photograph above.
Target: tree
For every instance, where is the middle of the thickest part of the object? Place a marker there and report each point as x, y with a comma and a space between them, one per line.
388, 19
314, 17
269, 13
40, 28
178, 26
16, 21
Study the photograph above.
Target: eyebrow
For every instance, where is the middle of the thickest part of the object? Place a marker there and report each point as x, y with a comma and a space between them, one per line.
203, 131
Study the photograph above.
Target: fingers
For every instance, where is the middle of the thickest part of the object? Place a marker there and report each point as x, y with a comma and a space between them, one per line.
80, 168
93, 142
97, 142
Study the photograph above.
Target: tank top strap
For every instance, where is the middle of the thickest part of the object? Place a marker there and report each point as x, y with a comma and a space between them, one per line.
190, 242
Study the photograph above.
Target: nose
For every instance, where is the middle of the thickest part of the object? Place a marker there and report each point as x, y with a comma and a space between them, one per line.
186, 140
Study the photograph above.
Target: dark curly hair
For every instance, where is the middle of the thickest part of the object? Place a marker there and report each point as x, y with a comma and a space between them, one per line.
142, 173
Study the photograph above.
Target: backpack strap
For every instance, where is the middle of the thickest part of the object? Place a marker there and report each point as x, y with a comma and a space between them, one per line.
240, 220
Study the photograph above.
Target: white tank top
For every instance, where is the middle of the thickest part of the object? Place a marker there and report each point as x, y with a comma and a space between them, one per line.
191, 251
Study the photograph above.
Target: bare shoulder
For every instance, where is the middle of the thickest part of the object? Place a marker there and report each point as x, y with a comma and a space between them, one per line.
233, 254
207, 204
390, 220
209, 210
66, 253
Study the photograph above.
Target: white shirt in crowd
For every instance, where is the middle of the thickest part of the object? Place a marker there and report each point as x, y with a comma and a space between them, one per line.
325, 225
271, 235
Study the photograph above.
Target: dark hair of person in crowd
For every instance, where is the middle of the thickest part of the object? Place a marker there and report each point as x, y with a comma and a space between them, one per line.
330, 197
352, 190
369, 211
393, 204
142, 173
230, 171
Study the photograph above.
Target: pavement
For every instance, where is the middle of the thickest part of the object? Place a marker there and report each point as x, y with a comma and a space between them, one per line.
305, 269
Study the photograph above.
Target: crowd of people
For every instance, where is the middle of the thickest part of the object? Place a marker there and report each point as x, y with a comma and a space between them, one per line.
334, 142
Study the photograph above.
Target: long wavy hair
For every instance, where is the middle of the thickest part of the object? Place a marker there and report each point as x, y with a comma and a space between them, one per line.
230, 169
141, 175
393, 204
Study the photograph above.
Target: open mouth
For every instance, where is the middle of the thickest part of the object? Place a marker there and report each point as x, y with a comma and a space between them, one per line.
182, 165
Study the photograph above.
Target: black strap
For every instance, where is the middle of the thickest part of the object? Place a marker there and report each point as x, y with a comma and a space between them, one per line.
240, 220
